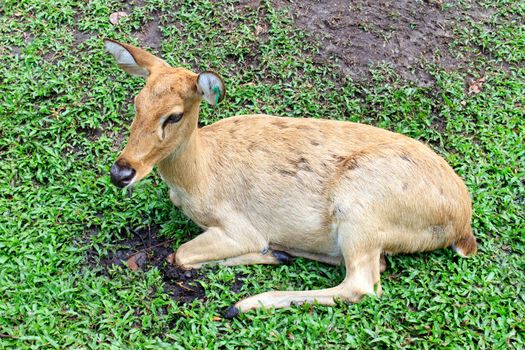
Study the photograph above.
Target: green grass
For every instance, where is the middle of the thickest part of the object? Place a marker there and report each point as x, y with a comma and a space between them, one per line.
65, 110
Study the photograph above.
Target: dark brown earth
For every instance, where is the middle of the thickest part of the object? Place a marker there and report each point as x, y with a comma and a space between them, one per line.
150, 34
147, 251
400, 33
405, 35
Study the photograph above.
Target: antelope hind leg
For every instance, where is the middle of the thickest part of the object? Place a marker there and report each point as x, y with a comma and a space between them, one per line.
362, 274
326, 259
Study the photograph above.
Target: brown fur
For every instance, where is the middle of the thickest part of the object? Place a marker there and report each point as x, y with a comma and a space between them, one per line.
326, 190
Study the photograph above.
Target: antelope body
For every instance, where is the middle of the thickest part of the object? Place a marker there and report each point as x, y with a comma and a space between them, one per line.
265, 188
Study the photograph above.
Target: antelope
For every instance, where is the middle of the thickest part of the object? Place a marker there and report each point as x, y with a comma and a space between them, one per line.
265, 189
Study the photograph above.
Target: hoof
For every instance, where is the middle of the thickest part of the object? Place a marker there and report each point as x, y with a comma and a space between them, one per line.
282, 257
231, 312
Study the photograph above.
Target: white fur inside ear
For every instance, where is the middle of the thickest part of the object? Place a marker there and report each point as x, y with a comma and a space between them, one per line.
124, 59
211, 86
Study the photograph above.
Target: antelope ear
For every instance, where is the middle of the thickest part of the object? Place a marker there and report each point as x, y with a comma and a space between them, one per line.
211, 86
133, 60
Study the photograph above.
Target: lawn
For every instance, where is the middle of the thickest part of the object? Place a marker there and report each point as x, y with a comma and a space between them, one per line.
65, 110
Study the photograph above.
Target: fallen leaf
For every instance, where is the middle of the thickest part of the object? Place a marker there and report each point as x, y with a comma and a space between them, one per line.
135, 261
476, 86
216, 318
115, 17
259, 30
171, 258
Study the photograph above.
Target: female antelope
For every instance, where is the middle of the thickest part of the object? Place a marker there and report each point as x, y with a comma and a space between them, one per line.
265, 188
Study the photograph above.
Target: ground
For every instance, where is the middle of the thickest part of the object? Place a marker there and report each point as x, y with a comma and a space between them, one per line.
83, 262
405, 35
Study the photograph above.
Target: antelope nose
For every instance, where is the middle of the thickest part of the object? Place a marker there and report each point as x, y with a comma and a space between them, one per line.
121, 175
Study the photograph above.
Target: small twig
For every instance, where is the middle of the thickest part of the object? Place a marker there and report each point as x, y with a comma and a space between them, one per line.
149, 234
184, 287
5, 335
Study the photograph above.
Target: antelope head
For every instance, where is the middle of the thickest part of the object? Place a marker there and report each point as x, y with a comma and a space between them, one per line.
166, 110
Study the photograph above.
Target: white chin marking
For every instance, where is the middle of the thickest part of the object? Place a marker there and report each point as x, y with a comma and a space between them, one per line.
132, 183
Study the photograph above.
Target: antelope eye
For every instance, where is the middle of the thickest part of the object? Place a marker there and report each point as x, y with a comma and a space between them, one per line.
172, 118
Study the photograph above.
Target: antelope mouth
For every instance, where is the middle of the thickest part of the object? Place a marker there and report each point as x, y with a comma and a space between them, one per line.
121, 183
122, 175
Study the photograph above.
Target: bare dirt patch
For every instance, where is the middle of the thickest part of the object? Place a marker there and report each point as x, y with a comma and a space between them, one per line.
403, 34
150, 34
145, 250
148, 251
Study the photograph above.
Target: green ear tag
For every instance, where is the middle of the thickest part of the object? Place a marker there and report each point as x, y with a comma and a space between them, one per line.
217, 94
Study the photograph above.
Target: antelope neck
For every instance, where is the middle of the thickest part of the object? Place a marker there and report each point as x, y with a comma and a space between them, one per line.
186, 167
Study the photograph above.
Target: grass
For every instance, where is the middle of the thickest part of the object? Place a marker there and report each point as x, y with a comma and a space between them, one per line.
64, 115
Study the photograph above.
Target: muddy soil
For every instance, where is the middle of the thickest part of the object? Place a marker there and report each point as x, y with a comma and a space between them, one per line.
144, 251
400, 33
356, 35
147, 251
